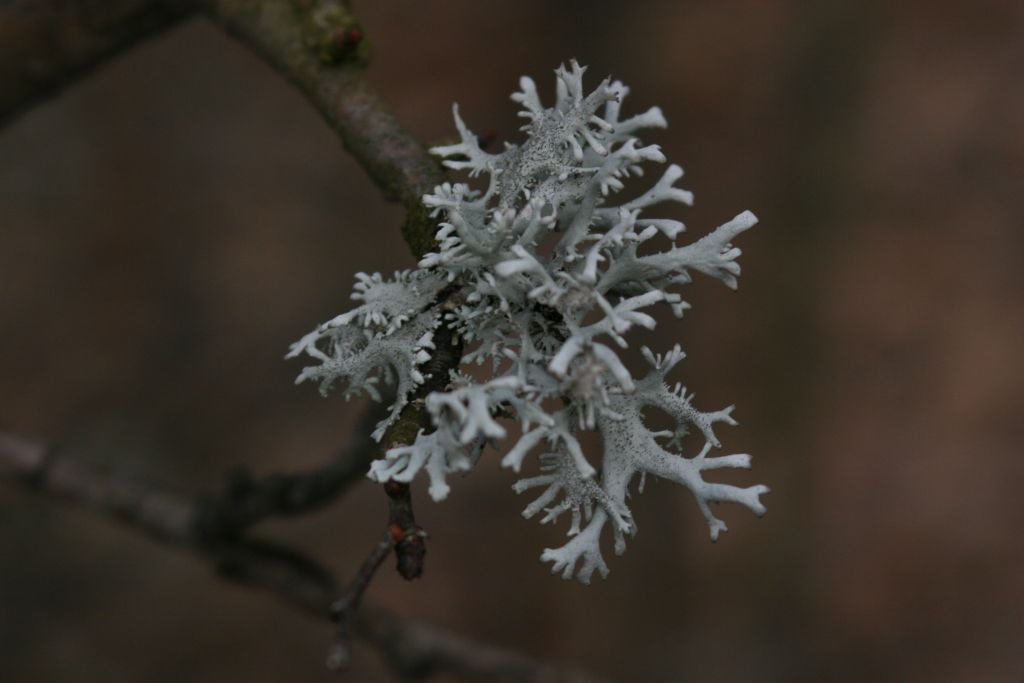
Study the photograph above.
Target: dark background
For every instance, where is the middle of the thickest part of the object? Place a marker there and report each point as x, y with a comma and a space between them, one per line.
171, 223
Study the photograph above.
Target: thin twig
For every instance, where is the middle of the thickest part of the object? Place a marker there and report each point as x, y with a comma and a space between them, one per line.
345, 608
246, 501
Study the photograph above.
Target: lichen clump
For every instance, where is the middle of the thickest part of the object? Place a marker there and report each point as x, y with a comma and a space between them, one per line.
542, 275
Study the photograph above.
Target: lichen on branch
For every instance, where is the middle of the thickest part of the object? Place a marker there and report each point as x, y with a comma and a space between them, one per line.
544, 272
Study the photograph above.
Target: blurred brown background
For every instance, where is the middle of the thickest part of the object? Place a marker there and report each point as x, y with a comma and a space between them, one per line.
171, 223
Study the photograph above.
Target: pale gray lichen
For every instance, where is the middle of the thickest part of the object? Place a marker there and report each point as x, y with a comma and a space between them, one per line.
544, 275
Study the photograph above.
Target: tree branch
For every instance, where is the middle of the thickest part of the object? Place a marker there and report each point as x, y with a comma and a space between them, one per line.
413, 649
301, 41
315, 44
290, 36
47, 44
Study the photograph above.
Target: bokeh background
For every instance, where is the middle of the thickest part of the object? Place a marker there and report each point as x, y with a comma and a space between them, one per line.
171, 223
